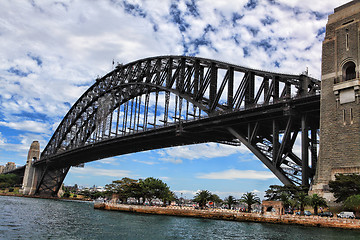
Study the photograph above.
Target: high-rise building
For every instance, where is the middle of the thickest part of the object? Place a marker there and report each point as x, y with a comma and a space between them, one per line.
9, 167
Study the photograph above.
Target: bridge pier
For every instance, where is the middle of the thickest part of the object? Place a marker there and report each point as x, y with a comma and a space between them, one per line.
31, 173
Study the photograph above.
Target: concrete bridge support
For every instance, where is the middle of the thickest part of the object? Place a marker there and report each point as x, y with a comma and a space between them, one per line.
31, 173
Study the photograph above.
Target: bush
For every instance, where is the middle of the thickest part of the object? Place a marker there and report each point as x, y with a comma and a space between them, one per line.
66, 194
9, 180
3, 185
353, 203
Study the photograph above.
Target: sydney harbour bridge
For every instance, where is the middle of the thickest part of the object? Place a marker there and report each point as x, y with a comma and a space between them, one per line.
171, 101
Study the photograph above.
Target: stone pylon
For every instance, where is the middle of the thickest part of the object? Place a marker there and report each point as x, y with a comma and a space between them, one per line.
30, 178
340, 99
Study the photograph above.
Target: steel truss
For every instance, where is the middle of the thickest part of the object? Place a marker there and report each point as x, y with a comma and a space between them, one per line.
173, 92
50, 180
263, 139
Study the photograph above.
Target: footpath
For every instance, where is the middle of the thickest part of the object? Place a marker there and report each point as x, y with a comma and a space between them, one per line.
221, 214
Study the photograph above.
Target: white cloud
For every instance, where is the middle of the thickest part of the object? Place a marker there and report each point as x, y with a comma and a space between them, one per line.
200, 151
27, 125
165, 178
145, 162
171, 160
2, 139
233, 174
90, 171
110, 161
23, 143
314, 5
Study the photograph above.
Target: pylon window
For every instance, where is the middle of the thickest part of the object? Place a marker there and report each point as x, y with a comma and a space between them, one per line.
349, 71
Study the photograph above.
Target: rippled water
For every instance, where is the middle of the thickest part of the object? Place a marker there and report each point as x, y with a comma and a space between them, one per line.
27, 218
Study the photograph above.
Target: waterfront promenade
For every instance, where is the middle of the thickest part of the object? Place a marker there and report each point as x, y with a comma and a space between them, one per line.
232, 215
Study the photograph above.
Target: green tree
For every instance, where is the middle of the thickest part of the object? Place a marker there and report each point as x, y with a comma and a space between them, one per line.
170, 196
278, 192
302, 200
286, 200
274, 192
249, 199
291, 195
353, 203
154, 188
136, 191
202, 198
230, 201
120, 188
216, 199
9, 180
345, 186
97, 195
316, 201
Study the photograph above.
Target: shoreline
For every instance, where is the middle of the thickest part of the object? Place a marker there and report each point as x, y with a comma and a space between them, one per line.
42, 197
231, 215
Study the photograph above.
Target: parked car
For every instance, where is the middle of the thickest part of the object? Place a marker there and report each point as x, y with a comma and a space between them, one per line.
306, 213
346, 215
326, 214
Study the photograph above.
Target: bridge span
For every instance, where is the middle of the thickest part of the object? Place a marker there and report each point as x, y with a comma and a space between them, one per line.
171, 101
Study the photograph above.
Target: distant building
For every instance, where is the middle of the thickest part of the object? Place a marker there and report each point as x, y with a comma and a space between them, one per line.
9, 167
100, 189
272, 207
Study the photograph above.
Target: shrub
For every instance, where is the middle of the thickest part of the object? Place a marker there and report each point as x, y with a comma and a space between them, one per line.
66, 194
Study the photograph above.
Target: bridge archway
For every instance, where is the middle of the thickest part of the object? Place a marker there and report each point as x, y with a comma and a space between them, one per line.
175, 100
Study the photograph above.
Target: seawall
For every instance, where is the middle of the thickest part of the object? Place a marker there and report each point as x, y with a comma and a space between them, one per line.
220, 214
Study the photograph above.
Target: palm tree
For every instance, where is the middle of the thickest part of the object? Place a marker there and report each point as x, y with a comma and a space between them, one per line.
203, 197
317, 201
302, 199
250, 198
230, 200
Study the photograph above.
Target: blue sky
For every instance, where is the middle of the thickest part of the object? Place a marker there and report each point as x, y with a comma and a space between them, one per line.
52, 51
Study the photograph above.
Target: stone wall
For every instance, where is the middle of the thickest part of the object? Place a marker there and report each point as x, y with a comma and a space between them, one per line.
221, 214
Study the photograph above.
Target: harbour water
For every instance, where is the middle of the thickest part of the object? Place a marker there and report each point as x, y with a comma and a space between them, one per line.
31, 218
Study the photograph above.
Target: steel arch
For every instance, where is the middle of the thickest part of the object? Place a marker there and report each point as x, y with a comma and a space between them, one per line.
185, 77
211, 89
